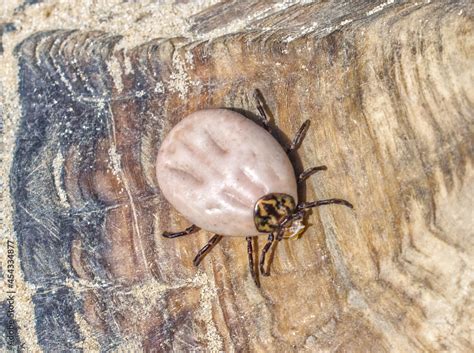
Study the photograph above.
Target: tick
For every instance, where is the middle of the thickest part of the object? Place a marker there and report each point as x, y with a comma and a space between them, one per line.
228, 175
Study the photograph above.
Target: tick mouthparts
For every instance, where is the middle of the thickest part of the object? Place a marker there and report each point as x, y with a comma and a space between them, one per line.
295, 230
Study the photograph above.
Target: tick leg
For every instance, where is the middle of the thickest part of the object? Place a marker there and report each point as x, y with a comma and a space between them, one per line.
298, 137
187, 231
250, 255
206, 248
308, 172
260, 103
305, 205
264, 253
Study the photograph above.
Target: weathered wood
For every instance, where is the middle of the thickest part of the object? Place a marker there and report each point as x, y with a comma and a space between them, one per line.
389, 92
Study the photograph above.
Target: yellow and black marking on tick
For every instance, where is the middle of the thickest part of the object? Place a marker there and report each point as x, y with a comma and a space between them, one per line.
271, 209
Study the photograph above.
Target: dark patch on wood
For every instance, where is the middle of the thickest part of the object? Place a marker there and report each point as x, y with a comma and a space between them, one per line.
54, 318
9, 326
5, 28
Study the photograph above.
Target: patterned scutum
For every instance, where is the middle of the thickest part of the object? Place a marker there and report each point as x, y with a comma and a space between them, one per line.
271, 209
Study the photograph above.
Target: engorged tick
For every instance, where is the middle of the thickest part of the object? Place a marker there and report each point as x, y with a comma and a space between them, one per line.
228, 175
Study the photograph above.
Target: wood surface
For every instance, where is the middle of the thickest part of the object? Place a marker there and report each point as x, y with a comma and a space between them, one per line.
389, 90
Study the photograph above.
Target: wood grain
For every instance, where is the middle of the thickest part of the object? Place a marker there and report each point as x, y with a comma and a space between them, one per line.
389, 92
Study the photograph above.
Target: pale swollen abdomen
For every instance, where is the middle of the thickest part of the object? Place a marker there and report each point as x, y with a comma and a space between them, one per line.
215, 164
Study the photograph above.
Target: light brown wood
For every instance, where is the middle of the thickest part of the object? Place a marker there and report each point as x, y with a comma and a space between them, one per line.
389, 92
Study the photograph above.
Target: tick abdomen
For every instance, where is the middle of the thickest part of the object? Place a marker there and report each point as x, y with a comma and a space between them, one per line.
215, 164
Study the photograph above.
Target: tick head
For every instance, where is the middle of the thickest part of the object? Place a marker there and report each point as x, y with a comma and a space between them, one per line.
270, 211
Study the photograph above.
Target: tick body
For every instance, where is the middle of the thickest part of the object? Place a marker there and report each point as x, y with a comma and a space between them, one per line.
216, 164
230, 176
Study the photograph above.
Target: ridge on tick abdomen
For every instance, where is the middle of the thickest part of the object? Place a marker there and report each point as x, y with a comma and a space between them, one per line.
216, 164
